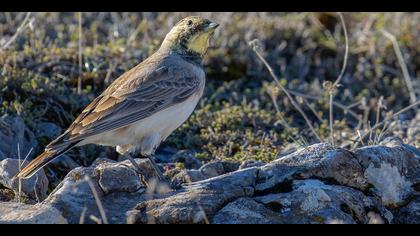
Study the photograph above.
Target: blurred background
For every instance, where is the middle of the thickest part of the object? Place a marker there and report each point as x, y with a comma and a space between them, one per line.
243, 114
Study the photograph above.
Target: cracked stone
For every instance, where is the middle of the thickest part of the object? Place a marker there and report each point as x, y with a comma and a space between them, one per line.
36, 187
19, 213
74, 197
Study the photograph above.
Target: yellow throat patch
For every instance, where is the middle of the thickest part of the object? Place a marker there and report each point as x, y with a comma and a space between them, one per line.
201, 43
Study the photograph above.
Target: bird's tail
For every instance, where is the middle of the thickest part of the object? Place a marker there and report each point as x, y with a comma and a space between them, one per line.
38, 163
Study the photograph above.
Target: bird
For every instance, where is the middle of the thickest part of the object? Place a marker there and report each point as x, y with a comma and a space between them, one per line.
143, 106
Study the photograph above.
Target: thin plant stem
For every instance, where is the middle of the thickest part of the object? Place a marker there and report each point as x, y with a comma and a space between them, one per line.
17, 33
337, 81
19, 180
98, 200
79, 81
403, 65
292, 100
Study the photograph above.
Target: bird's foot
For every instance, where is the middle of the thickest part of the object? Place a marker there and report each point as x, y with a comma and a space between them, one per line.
137, 169
161, 178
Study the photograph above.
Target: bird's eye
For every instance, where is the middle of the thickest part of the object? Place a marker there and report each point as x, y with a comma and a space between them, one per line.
190, 22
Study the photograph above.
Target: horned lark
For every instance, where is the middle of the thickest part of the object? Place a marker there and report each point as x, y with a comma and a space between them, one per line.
146, 104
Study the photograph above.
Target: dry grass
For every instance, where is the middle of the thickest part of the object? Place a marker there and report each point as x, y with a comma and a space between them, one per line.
378, 125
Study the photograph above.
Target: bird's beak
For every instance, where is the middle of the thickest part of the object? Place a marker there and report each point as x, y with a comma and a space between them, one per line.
212, 26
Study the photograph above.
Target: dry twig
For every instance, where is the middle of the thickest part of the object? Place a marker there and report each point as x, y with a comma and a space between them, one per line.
19, 30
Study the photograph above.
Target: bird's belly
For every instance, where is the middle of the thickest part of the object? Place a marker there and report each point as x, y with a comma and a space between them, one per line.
159, 126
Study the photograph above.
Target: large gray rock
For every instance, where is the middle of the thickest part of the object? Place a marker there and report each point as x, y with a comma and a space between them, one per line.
408, 214
392, 170
196, 202
118, 178
116, 184
316, 184
314, 202
246, 211
19, 213
317, 161
36, 187
308, 202
13, 131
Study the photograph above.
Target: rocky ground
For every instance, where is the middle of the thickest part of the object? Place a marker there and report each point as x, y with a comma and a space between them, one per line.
315, 184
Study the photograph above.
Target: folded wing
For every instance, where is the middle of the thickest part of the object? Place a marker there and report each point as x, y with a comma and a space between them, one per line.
130, 102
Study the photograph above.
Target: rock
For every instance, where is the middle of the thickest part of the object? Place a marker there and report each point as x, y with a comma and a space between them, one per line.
250, 163
227, 199
218, 168
188, 159
118, 178
289, 149
313, 202
13, 131
316, 184
389, 184
317, 161
207, 171
146, 167
36, 187
397, 142
19, 213
197, 201
246, 211
117, 185
391, 170
48, 130
409, 214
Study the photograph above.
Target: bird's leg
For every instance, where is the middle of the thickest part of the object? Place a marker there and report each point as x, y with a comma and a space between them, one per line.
137, 167
156, 167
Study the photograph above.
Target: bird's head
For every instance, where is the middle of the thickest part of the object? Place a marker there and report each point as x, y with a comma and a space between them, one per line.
191, 35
